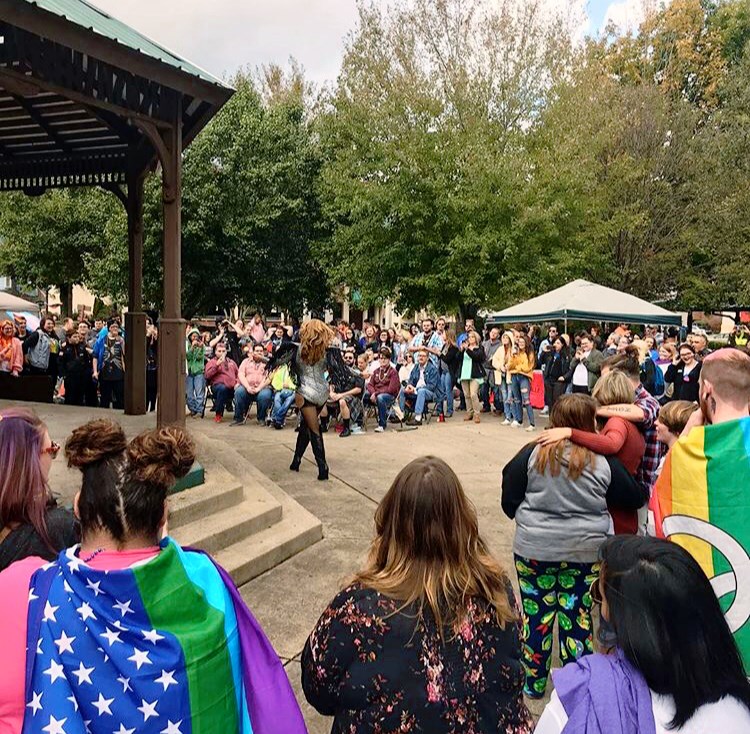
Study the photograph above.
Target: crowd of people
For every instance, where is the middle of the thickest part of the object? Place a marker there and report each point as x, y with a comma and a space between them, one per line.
107, 621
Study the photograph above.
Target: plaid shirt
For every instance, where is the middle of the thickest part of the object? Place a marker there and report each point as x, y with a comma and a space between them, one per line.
646, 474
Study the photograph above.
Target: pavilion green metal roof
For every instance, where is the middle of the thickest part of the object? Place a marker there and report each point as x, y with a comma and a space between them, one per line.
88, 16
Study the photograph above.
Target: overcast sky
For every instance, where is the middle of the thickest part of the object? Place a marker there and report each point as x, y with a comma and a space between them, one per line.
223, 35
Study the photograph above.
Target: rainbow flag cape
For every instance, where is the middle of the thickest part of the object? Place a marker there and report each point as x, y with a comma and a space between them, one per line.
164, 647
702, 501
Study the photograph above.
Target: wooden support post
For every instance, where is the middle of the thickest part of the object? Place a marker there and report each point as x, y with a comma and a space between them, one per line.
171, 405
135, 319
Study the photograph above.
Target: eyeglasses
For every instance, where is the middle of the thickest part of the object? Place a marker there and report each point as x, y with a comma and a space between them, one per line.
595, 591
53, 449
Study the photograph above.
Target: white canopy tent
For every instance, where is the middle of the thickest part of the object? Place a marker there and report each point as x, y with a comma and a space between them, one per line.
583, 301
12, 306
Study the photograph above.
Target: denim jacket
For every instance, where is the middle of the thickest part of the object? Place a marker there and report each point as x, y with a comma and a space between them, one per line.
430, 376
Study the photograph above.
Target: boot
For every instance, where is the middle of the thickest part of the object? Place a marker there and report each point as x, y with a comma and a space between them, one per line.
316, 440
303, 438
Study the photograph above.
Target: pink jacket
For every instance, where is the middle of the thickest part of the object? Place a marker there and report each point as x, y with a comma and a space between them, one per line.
11, 357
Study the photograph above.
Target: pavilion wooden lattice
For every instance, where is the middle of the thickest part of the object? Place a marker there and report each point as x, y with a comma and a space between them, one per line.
87, 101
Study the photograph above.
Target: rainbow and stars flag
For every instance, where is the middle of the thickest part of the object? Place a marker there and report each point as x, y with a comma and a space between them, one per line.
163, 647
702, 501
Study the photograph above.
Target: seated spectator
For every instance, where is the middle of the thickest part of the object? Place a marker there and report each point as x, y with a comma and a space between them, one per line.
221, 374
383, 388
676, 668
404, 371
277, 338
11, 350
369, 340
283, 386
129, 610
426, 637
254, 387
195, 380
559, 495
31, 523
76, 369
421, 388
349, 399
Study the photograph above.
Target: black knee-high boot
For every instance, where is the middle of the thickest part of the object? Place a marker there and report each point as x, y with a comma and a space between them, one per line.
303, 438
316, 439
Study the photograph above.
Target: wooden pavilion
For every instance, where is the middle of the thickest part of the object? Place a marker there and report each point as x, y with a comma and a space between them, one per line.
85, 100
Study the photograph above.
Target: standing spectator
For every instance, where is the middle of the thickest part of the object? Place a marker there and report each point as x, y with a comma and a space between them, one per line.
546, 345
426, 638
152, 365
596, 336
676, 668
700, 344
11, 350
684, 374
472, 374
109, 367
283, 386
31, 523
21, 331
740, 336
451, 358
490, 346
428, 340
521, 370
257, 329
585, 367
277, 338
195, 380
221, 374
383, 388
673, 417
369, 339
558, 496
421, 387
91, 397
76, 370
555, 368
502, 377
667, 354
653, 352
650, 380
38, 349
617, 437
254, 387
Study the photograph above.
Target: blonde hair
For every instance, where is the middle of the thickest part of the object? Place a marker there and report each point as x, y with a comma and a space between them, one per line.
671, 349
315, 337
613, 388
675, 415
428, 550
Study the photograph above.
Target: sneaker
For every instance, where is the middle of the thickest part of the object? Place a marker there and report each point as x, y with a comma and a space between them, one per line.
345, 433
545, 410
357, 431
411, 421
530, 429
277, 426
441, 418
380, 429
506, 422
218, 418
235, 422
515, 424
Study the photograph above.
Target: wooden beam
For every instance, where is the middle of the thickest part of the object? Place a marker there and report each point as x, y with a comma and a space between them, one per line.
39, 120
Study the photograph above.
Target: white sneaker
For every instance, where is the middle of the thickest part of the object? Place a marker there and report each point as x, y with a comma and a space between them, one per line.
545, 410
506, 422
515, 424
356, 431
380, 429
530, 429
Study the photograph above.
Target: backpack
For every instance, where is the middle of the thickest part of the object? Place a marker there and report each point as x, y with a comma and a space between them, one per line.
659, 384
39, 355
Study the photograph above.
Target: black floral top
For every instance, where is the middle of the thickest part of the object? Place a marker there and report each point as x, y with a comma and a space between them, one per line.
380, 671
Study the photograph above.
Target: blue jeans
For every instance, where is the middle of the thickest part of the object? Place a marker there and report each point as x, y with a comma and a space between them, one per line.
244, 399
282, 401
222, 395
507, 398
384, 402
495, 390
521, 392
419, 399
446, 383
195, 391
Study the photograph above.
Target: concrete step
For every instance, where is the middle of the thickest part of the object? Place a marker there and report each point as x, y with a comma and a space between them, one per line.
218, 493
259, 553
225, 528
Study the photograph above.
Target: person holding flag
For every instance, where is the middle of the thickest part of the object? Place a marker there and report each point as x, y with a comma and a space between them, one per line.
128, 631
701, 498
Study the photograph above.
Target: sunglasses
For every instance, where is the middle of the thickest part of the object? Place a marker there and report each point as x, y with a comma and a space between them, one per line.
595, 591
53, 449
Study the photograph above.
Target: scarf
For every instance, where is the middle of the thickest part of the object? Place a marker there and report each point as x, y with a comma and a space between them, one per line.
604, 694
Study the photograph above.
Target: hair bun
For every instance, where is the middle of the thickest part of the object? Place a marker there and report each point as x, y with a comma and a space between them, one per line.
161, 456
93, 442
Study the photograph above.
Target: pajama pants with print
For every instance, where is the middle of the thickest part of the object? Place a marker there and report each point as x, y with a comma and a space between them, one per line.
554, 590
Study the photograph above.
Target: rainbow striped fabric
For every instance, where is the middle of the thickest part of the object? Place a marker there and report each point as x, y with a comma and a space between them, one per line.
702, 501
163, 647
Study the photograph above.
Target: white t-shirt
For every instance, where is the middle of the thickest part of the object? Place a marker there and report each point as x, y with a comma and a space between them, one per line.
581, 373
727, 716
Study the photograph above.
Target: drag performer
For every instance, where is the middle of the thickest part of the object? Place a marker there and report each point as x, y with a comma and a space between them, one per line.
309, 360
